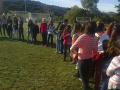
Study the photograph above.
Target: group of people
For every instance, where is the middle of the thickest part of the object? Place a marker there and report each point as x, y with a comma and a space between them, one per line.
94, 51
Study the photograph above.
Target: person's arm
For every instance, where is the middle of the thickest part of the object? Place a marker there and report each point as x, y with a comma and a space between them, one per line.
74, 38
65, 35
112, 67
95, 48
76, 44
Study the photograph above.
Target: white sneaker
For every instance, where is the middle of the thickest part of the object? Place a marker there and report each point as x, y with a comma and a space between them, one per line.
4, 36
1, 36
80, 79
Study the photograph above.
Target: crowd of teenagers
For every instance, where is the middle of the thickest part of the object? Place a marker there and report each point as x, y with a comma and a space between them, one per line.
93, 51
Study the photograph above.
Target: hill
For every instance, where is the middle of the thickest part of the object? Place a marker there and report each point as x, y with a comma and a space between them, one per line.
33, 6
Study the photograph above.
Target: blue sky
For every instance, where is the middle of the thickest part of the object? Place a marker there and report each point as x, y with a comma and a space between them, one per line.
103, 5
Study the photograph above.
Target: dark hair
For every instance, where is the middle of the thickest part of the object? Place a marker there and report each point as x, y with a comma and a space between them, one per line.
68, 27
90, 27
66, 20
77, 27
50, 22
100, 27
30, 21
114, 36
14, 19
8, 17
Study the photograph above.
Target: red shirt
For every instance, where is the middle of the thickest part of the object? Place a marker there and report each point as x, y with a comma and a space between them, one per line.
66, 39
43, 27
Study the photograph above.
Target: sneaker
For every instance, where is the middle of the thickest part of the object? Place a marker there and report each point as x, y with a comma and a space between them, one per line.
1, 36
80, 79
56, 52
76, 75
4, 36
50, 46
73, 62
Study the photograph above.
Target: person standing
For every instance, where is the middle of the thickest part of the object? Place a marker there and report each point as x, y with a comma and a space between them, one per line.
67, 40
15, 25
4, 24
20, 28
50, 33
56, 32
109, 31
97, 57
30, 31
43, 31
9, 29
86, 43
35, 31
60, 32
113, 70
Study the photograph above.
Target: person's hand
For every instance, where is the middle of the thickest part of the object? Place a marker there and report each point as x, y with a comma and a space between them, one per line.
101, 52
74, 55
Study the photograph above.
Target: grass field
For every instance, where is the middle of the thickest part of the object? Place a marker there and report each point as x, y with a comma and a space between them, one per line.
33, 67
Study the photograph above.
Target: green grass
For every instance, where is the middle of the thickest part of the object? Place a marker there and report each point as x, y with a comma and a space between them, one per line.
33, 67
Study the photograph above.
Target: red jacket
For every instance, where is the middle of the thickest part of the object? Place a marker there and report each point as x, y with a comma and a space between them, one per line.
43, 28
65, 36
109, 31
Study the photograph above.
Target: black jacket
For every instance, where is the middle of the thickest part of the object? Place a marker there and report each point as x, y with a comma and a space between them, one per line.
35, 29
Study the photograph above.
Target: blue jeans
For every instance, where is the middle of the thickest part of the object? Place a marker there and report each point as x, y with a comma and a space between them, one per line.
50, 35
30, 32
57, 44
105, 78
14, 34
60, 43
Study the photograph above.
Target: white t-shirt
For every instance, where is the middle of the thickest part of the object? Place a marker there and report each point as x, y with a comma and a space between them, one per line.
101, 39
50, 28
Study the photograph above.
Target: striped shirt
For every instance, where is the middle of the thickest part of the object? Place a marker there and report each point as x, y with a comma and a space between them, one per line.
113, 71
86, 45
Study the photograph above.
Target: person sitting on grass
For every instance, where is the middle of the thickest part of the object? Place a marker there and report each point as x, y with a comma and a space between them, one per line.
113, 69
56, 32
15, 25
50, 33
30, 31
35, 31
67, 40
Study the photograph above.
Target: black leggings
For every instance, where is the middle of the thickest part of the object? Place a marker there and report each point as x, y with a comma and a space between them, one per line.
65, 50
84, 67
44, 38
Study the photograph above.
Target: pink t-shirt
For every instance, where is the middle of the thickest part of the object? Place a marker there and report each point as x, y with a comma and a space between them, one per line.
86, 45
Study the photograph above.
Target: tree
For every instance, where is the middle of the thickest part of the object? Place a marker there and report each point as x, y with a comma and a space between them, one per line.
90, 5
74, 12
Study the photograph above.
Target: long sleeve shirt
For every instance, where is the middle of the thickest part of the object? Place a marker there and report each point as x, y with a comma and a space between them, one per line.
43, 27
113, 71
86, 45
20, 24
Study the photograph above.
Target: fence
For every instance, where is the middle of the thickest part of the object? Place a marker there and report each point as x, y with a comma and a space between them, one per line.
26, 16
